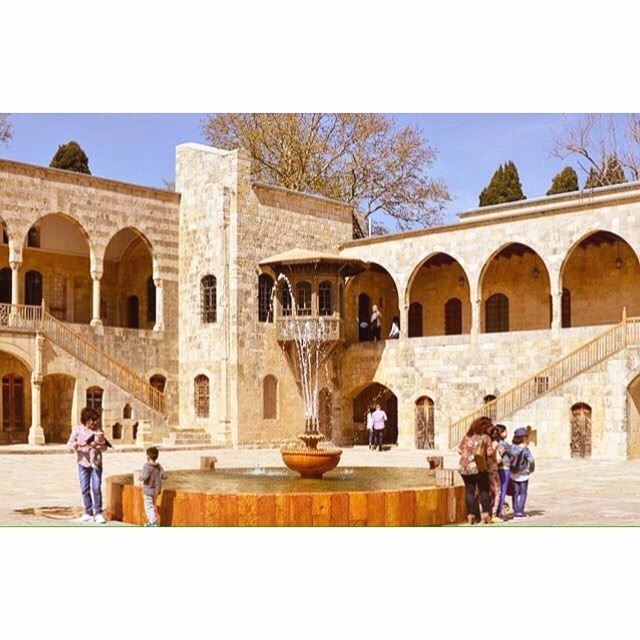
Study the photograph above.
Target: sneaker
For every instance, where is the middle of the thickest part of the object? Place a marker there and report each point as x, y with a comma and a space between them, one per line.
99, 519
85, 517
519, 515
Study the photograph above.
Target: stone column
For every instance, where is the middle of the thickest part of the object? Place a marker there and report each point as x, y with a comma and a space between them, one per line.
95, 313
556, 313
36, 433
476, 310
159, 325
15, 281
404, 321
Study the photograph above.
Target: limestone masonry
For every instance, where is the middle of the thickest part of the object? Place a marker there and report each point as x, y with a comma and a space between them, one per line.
165, 311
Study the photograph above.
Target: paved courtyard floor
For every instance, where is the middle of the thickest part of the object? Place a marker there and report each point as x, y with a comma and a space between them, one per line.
42, 489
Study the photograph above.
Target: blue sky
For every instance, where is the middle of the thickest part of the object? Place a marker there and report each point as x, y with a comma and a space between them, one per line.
139, 148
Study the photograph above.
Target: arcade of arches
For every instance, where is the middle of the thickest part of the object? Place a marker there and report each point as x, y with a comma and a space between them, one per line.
371, 395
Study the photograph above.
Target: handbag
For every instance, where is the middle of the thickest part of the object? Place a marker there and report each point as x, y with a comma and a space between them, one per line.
480, 460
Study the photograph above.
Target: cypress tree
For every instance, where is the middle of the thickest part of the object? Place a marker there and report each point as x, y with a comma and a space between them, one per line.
71, 157
613, 173
564, 181
504, 186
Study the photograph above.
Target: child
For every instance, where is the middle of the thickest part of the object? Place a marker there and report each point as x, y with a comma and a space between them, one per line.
522, 465
504, 452
151, 476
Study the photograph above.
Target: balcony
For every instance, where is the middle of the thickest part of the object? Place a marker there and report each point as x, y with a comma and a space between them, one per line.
309, 328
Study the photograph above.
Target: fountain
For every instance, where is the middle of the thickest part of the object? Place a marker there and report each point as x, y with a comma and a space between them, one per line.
311, 490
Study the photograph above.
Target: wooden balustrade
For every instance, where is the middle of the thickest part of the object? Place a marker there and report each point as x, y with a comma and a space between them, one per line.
318, 328
557, 373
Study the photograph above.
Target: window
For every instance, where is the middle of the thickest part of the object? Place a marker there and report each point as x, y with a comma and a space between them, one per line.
415, 320
33, 237
270, 397
285, 299
126, 412
208, 299
151, 300
117, 431
566, 307
265, 293
497, 313
201, 396
325, 304
94, 401
33, 288
5, 285
133, 312
5, 236
158, 381
453, 317
303, 298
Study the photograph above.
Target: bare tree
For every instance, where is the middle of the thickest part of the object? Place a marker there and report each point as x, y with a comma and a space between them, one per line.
363, 159
596, 141
6, 130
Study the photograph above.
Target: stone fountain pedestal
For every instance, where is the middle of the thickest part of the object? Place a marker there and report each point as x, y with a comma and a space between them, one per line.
309, 461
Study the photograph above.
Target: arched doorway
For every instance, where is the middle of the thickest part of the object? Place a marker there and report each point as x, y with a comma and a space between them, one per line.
5, 285
370, 395
441, 288
325, 412
580, 430
33, 287
600, 276
415, 320
57, 403
364, 315
515, 290
15, 406
425, 424
126, 286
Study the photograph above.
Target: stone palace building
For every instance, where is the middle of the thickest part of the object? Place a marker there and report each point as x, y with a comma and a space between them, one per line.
157, 308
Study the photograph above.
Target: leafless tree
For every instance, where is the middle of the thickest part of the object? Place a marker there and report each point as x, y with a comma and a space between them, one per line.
6, 130
596, 138
366, 160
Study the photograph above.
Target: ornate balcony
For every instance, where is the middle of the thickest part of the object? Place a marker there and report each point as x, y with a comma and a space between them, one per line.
311, 328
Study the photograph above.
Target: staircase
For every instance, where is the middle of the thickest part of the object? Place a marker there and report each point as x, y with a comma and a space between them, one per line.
612, 341
38, 319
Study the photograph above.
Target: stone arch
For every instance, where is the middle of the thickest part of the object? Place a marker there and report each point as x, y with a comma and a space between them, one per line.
439, 277
136, 231
525, 282
365, 394
601, 273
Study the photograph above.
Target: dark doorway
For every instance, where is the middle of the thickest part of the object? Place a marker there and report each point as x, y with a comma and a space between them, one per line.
5, 285
33, 288
364, 316
13, 408
133, 312
581, 430
415, 320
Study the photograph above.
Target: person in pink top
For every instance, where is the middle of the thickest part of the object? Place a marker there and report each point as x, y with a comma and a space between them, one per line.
379, 418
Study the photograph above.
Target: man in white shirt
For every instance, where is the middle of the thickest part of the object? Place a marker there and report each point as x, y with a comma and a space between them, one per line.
379, 418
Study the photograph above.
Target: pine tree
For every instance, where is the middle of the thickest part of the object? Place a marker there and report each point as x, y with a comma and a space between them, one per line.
71, 157
612, 173
504, 186
564, 181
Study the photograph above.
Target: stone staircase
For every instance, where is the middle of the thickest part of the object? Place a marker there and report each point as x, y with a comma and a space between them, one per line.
187, 436
585, 357
39, 320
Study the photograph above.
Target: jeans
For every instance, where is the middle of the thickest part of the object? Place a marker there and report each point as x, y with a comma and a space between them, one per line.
377, 438
90, 487
370, 437
150, 509
504, 483
519, 496
479, 481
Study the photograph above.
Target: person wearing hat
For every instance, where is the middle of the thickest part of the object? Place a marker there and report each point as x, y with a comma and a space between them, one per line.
522, 466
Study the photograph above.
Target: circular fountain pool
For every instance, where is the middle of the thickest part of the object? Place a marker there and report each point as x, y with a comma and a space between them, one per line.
278, 497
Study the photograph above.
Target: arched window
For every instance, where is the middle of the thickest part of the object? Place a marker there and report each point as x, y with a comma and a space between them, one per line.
158, 381
497, 313
364, 316
303, 298
491, 409
566, 307
325, 303
208, 299
33, 237
33, 288
133, 312
270, 397
117, 431
126, 412
94, 400
285, 298
265, 292
201, 396
5, 285
453, 317
151, 299
415, 320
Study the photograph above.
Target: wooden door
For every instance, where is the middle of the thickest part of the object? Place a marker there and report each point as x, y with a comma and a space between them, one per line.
13, 408
581, 431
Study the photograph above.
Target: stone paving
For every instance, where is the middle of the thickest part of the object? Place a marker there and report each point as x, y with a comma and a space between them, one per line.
570, 492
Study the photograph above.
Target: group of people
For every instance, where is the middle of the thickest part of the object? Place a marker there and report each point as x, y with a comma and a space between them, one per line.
88, 442
493, 468
376, 419
374, 326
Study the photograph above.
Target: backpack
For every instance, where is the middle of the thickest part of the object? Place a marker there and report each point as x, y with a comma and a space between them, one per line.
522, 464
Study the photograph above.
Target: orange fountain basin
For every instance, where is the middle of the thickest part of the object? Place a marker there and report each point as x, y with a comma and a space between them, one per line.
311, 463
